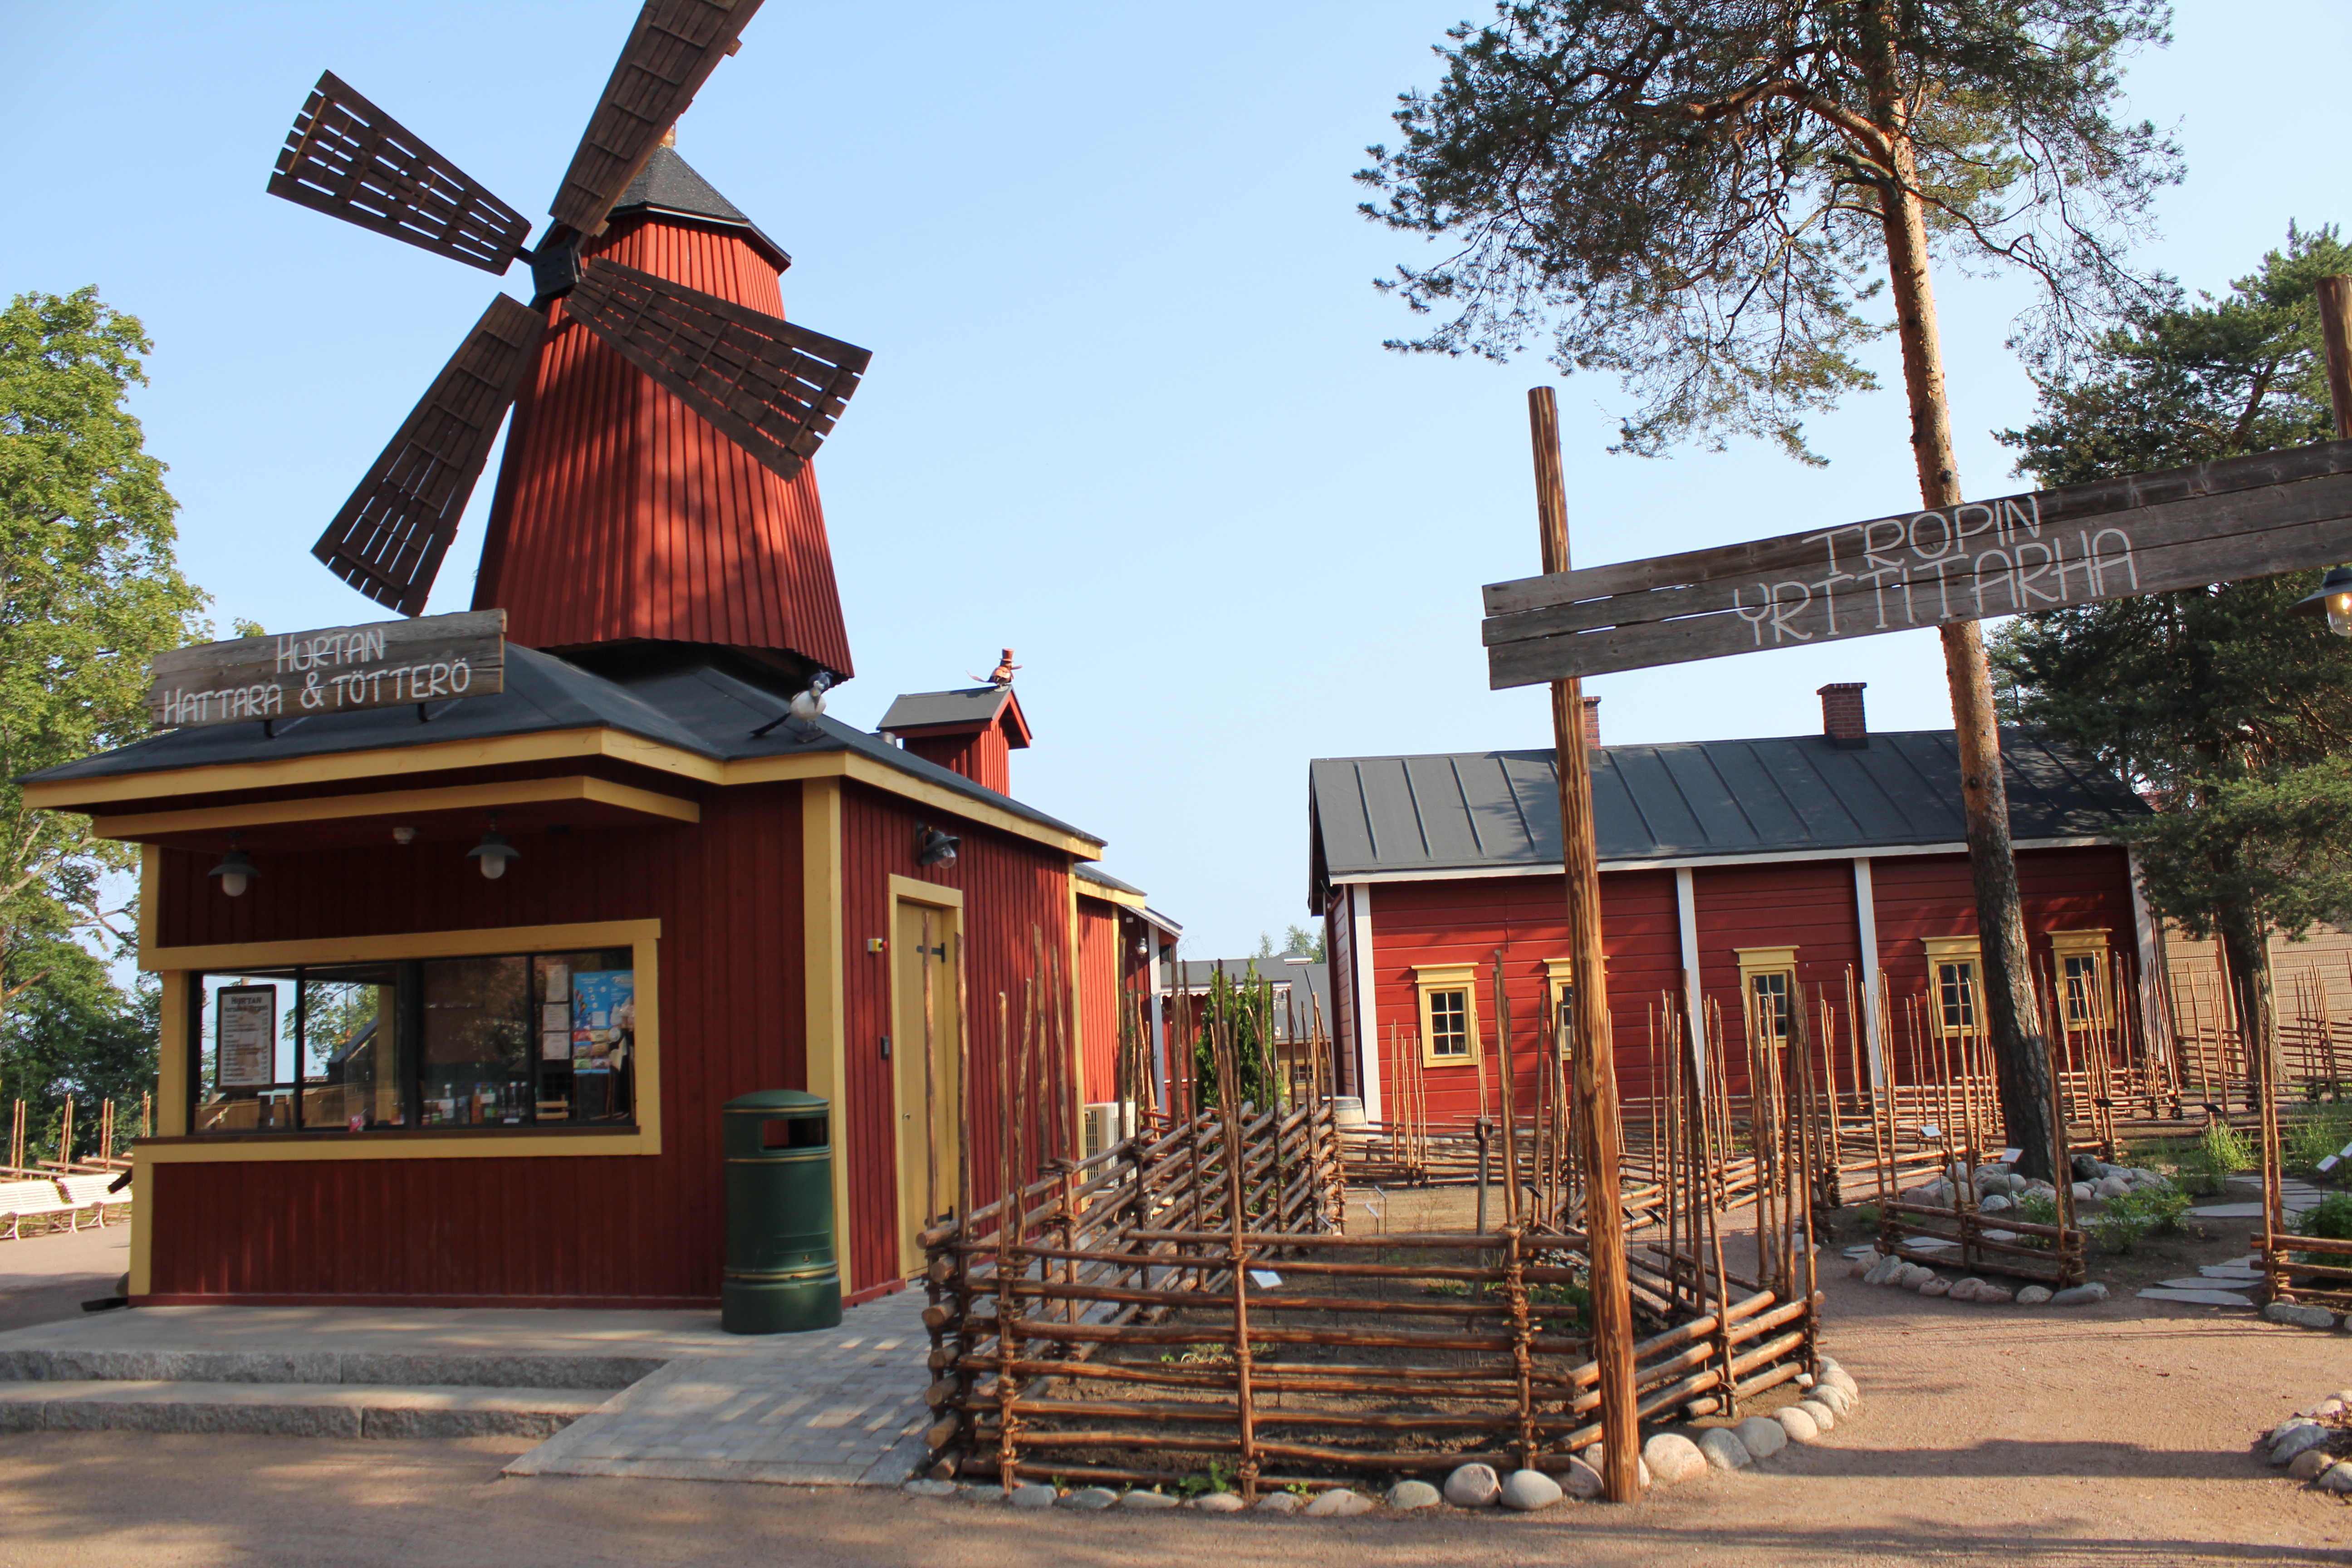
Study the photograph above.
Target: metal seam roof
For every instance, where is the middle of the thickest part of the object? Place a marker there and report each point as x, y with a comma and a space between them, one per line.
1793, 795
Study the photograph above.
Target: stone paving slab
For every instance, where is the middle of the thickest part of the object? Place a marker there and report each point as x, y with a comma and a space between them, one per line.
290, 1410
840, 1406
2293, 1202
2195, 1296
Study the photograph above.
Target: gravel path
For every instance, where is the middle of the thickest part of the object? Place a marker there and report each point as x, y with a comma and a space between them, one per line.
2109, 1435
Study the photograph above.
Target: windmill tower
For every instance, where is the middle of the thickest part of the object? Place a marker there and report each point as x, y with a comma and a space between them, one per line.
656, 486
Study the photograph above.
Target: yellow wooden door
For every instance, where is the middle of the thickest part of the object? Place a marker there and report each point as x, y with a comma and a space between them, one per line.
924, 1051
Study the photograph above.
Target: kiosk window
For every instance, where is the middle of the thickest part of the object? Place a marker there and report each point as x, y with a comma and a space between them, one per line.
506, 1040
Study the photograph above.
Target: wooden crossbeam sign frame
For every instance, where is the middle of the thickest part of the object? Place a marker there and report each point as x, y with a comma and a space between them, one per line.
2110, 539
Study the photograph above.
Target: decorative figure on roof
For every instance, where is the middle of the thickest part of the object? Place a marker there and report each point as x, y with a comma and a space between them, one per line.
1001, 675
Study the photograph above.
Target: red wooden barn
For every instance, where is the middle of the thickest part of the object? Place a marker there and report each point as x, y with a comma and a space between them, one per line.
397, 1071
1747, 874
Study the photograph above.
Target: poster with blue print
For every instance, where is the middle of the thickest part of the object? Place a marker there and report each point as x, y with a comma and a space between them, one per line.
603, 1014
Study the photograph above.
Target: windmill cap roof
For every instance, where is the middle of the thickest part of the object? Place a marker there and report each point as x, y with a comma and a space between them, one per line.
669, 185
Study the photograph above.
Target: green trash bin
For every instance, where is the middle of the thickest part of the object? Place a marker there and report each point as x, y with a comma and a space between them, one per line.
781, 1274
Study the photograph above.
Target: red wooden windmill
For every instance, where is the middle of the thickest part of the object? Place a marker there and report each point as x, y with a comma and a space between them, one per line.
656, 484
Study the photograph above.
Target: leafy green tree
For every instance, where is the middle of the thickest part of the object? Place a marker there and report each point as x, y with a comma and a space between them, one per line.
92, 593
1706, 198
1298, 939
2227, 711
75, 1032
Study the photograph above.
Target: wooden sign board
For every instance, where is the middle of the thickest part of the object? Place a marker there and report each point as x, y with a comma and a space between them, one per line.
339, 669
2245, 517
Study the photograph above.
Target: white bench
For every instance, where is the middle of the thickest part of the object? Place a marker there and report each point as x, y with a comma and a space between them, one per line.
88, 1194
21, 1201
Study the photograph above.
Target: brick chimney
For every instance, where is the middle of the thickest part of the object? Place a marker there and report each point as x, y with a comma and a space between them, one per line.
1842, 716
1592, 722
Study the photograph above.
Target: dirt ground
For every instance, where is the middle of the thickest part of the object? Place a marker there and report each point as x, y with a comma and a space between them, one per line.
2108, 1434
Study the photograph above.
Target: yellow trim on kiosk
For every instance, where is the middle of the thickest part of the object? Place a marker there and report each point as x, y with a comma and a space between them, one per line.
643, 938
400, 803
82, 794
823, 964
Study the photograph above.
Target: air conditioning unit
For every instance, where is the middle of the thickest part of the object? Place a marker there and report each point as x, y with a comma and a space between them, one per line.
1107, 1123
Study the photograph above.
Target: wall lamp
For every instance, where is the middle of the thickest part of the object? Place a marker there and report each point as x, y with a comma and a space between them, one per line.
2334, 600
237, 869
493, 852
934, 847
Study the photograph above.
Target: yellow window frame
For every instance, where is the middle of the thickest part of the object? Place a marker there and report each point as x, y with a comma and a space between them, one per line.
1962, 950
1757, 962
1432, 979
2090, 944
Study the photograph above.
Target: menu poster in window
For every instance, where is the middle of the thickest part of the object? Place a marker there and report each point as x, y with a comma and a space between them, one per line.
246, 1034
603, 1013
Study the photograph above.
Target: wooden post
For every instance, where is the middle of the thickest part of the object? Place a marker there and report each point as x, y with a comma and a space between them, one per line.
1509, 1103
1596, 1071
2335, 329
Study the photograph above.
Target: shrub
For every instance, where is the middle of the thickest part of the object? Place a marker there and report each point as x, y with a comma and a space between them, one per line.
2167, 1205
2125, 1220
2327, 1130
2036, 1208
2122, 1223
2331, 1218
2208, 1162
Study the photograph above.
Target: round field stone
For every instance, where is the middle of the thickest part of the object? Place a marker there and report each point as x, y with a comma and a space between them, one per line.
1219, 1502
1580, 1480
1822, 1417
1796, 1424
1992, 1295
1935, 1287
1723, 1451
1528, 1490
2300, 1317
2297, 1441
1761, 1436
1834, 1398
2335, 1479
1918, 1274
1037, 1494
1965, 1290
1090, 1498
1338, 1503
2309, 1465
1473, 1486
1147, 1500
2033, 1295
2079, 1295
1279, 1502
1406, 1495
1837, 1377
1673, 1457
930, 1488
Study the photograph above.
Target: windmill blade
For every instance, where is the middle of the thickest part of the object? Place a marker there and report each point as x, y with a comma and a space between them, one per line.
671, 52
349, 159
776, 388
389, 538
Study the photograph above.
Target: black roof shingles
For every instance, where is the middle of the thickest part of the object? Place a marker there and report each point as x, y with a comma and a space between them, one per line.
1793, 795
685, 697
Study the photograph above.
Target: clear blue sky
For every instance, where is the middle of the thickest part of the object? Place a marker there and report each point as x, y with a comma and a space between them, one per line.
1127, 413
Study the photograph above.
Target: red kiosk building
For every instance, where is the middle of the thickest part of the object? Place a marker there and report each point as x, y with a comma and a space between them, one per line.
453, 994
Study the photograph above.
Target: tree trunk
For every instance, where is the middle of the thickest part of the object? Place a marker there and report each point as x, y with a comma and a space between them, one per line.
2020, 1055
2246, 950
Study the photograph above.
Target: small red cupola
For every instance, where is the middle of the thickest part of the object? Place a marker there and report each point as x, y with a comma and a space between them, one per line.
975, 732
624, 516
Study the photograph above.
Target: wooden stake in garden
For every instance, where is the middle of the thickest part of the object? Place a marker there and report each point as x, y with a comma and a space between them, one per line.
1595, 1087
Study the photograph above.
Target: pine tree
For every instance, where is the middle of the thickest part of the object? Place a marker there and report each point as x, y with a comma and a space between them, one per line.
1707, 197
2231, 714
